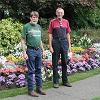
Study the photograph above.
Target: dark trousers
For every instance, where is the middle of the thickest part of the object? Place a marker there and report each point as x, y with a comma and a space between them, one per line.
34, 63
60, 48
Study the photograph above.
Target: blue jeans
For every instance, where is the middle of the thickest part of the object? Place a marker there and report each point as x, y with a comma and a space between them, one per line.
34, 63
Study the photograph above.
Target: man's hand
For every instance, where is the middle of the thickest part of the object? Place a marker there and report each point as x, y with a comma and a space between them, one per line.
44, 54
25, 56
51, 49
70, 49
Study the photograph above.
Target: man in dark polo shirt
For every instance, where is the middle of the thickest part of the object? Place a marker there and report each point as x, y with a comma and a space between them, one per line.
59, 44
31, 37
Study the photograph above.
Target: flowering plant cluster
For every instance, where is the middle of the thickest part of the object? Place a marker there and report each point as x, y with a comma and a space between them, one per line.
72, 67
80, 61
77, 49
17, 69
97, 47
85, 42
13, 79
12, 72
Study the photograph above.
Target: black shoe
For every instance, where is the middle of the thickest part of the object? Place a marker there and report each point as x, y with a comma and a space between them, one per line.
67, 84
40, 91
56, 85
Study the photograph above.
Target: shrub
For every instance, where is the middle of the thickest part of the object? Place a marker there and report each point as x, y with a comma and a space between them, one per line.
44, 22
9, 33
78, 37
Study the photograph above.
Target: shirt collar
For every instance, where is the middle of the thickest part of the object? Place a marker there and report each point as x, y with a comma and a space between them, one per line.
59, 19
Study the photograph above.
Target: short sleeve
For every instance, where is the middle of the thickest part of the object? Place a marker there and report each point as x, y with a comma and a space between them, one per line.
41, 29
50, 27
68, 27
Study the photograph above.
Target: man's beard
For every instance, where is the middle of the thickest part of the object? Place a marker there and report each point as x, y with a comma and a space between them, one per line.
34, 23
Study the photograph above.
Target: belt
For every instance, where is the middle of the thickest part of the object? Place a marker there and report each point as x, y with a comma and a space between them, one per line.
34, 48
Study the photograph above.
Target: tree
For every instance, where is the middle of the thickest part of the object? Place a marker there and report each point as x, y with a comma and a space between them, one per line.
76, 11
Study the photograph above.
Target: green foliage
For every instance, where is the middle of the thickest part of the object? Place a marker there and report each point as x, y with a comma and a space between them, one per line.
1, 66
82, 39
9, 33
78, 39
93, 33
75, 36
1, 51
80, 13
85, 42
96, 98
45, 39
94, 16
44, 22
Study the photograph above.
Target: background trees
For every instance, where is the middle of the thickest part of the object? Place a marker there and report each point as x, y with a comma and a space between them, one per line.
80, 13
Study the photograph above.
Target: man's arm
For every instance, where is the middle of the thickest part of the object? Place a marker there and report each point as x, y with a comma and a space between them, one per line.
43, 51
23, 45
50, 43
42, 46
69, 41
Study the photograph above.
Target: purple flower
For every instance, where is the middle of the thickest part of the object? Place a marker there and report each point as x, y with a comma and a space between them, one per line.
21, 76
9, 83
12, 77
2, 79
69, 70
74, 70
81, 69
20, 83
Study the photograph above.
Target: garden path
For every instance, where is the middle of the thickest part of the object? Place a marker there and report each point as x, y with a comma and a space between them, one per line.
81, 90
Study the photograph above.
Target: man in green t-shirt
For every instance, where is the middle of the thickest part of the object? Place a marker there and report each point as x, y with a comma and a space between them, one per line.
31, 38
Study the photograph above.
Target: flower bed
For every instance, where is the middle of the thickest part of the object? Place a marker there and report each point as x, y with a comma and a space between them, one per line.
12, 74
81, 61
12, 77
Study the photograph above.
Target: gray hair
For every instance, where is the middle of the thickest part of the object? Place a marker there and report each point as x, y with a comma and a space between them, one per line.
34, 13
59, 9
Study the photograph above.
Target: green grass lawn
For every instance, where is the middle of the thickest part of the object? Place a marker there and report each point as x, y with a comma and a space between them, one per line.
46, 85
96, 98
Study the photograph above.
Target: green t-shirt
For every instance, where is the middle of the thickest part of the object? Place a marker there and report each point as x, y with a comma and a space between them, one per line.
32, 35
